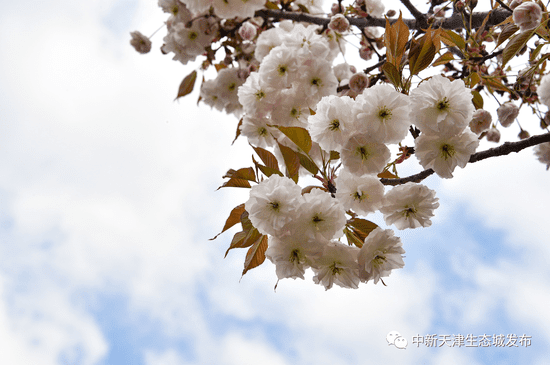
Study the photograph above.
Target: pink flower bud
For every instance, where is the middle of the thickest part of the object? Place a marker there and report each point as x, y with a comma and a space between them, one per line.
527, 16
141, 43
507, 112
366, 53
358, 82
481, 121
247, 31
493, 135
339, 23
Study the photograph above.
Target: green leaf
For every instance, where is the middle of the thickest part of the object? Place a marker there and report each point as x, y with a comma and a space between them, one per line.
515, 45
267, 158
256, 254
234, 218
477, 99
292, 161
392, 74
308, 164
300, 136
187, 85
452, 39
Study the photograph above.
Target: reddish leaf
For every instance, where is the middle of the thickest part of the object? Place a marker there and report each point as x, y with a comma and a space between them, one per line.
392, 74
267, 158
246, 173
234, 218
361, 227
292, 161
187, 85
256, 254
238, 133
235, 183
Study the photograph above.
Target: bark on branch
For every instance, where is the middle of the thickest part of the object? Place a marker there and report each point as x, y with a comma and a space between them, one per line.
504, 149
455, 21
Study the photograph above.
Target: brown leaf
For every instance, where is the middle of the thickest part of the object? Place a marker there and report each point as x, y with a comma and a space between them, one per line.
361, 227
298, 135
234, 218
292, 161
267, 158
386, 175
187, 85
256, 254
308, 164
235, 183
515, 45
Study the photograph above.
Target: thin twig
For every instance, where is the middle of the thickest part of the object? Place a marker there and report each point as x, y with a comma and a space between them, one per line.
504, 149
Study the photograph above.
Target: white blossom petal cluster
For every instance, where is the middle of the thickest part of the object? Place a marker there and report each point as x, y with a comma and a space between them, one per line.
273, 203
543, 91
527, 15
443, 109
542, 151
409, 205
187, 35
381, 253
221, 92
363, 194
507, 113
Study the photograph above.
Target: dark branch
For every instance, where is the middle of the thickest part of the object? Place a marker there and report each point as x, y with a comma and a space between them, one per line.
502, 150
497, 16
420, 17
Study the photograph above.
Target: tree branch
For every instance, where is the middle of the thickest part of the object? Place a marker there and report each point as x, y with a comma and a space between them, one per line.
502, 150
420, 17
497, 16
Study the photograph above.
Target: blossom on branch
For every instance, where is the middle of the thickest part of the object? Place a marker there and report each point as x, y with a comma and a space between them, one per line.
527, 16
444, 153
440, 106
507, 113
362, 194
381, 253
363, 154
273, 203
337, 265
409, 205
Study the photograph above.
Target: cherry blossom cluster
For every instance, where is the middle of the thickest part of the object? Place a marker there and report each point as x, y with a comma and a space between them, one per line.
279, 76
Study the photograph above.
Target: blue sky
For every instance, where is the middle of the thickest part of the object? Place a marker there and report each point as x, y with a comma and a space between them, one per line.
108, 198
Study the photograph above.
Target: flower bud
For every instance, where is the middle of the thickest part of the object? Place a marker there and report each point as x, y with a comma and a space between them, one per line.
527, 16
247, 31
358, 82
339, 23
514, 4
336, 8
391, 13
141, 43
507, 112
481, 121
365, 53
493, 135
523, 134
